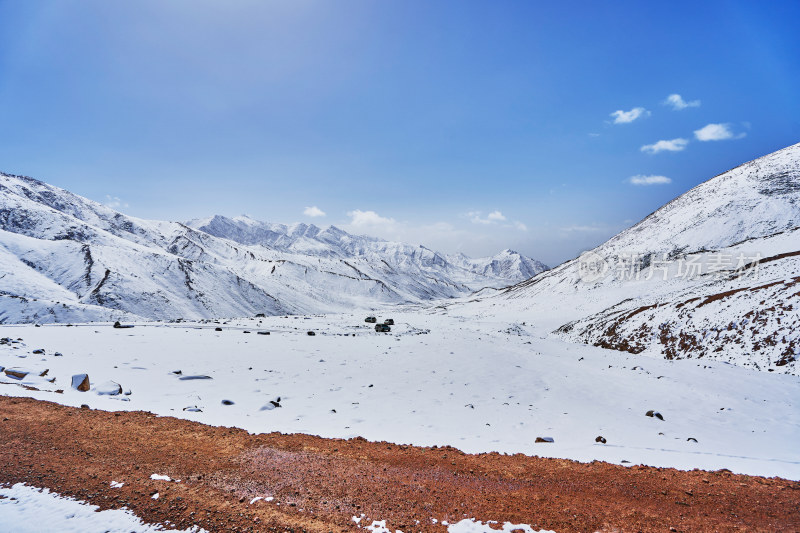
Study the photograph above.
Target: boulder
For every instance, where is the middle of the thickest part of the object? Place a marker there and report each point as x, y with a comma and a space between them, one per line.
655, 414
227, 402
601, 439
16, 373
81, 382
545, 439
272, 404
109, 388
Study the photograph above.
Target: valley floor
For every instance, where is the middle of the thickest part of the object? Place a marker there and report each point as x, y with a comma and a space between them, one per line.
232, 409
183, 474
472, 383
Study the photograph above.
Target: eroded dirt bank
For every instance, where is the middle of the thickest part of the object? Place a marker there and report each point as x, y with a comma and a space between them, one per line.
320, 484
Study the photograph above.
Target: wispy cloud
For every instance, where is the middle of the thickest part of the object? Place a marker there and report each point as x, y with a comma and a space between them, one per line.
625, 117
362, 219
717, 132
674, 145
649, 180
520, 226
114, 202
677, 102
313, 211
491, 218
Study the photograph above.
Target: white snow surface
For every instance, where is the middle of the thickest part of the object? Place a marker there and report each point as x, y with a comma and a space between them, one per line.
477, 383
476, 526
26, 509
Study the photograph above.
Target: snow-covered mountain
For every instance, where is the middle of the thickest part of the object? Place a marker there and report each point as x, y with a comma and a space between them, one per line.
67, 258
713, 274
506, 268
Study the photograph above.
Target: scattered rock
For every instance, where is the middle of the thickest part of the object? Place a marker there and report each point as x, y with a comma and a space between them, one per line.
109, 388
58, 354
40, 351
655, 414
44, 372
311, 333
177, 372
193, 409
691, 439
189, 378
275, 402
263, 332
85, 406
117, 325
600, 439
16, 373
217, 329
227, 402
81, 382
545, 439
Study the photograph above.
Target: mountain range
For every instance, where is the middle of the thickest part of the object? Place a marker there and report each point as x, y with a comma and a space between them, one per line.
67, 258
713, 274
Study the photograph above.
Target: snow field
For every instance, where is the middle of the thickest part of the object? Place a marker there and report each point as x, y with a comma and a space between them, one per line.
476, 384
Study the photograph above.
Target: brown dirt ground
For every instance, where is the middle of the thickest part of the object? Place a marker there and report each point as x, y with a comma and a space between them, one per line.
319, 484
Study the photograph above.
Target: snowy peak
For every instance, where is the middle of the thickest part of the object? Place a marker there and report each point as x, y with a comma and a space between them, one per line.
756, 199
506, 268
507, 264
67, 258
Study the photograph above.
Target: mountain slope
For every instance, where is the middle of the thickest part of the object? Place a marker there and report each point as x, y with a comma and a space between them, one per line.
64, 252
631, 292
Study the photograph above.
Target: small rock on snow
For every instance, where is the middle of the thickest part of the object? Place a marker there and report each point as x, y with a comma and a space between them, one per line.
81, 382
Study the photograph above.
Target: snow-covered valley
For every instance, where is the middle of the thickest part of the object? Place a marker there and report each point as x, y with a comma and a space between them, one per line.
478, 384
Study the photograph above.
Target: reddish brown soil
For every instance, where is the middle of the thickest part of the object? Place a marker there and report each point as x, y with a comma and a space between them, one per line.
319, 484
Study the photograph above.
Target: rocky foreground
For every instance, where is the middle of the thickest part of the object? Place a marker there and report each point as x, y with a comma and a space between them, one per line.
313, 484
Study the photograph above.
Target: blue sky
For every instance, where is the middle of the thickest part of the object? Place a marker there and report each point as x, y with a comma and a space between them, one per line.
462, 125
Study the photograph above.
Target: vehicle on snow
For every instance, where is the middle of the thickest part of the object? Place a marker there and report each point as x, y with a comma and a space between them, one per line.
389, 322
382, 328
371, 319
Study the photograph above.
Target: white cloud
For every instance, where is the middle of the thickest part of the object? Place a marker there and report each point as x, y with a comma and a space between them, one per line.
625, 117
313, 211
362, 219
716, 132
520, 226
491, 218
648, 180
114, 202
678, 103
674, 145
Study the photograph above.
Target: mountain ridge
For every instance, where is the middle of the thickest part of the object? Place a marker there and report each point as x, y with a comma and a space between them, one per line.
52, 241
